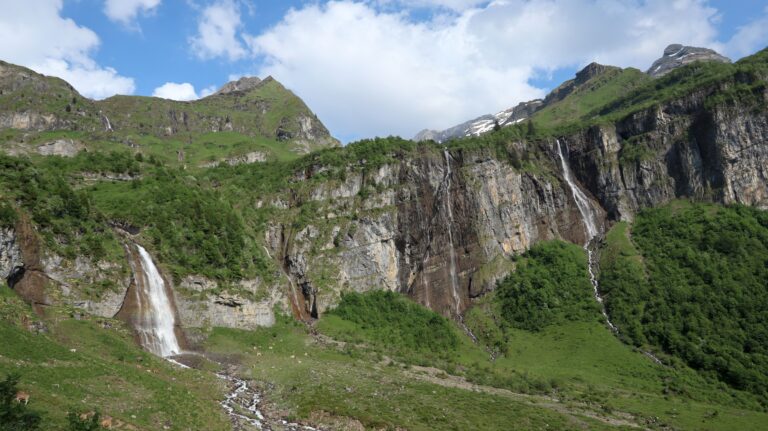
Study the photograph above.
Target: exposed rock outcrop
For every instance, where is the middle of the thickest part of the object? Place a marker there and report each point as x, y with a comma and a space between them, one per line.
60, 147
245, 159
679, 149
29, 280
677, 55
202, 304
243, 84
10, 254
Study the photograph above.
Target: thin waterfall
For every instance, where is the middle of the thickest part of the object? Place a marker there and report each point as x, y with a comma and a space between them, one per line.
155, 320
582, 202
589, 218
449, 208
107, 123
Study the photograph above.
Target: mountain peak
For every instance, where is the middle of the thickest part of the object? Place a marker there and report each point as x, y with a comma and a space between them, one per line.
590, 71
243, 84
677, 55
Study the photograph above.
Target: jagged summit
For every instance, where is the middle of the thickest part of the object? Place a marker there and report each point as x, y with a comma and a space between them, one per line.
243, 84
591, 70
677, 55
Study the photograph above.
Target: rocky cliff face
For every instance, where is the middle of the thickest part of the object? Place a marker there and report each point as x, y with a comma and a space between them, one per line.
10, 255
679, 149
440, 226
440, 229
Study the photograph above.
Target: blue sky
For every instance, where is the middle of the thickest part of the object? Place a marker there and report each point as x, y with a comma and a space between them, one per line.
367, 68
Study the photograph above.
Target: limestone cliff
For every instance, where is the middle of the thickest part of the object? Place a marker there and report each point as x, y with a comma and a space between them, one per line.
438, 219
679, 149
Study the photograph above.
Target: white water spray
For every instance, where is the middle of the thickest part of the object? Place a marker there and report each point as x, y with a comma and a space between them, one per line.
109, 125
157, 321
242, 399
589, 218
449, 207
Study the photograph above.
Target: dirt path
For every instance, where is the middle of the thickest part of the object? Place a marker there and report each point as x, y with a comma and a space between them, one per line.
574, 411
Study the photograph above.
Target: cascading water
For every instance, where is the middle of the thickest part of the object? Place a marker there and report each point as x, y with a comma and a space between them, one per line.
156, 318
449, 210
589, 219
108, 124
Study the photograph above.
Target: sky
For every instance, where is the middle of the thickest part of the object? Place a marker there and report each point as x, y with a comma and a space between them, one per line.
365, 67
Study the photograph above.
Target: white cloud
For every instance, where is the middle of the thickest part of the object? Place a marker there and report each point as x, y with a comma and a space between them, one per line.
207, 91
456, 5
174, 91
749, 38
36, 36
89, 79
367, 71
125, 11
217, 31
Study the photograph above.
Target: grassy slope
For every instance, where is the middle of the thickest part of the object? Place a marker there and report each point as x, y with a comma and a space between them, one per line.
581, 104
143, 121
105, 371
582, 364
308, 377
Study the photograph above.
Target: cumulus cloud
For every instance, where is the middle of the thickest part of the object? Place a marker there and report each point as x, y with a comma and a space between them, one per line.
125, 11
370, 70
174, 91
217, 32
36, 36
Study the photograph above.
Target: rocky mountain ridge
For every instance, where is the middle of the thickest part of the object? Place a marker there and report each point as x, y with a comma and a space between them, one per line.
675, 56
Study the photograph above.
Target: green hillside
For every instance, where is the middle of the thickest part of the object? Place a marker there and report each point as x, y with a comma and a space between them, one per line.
267, 119
691, 280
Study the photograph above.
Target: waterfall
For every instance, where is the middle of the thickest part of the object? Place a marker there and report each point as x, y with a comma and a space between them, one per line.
108, 124
449, 209
582, 202
156, 317
589, 218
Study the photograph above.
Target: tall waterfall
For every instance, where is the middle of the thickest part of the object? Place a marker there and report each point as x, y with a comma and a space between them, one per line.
589, 218
155, 317
449, 208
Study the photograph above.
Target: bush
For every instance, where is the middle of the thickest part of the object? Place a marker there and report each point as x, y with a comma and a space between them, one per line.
89, 423
15, 416
8, 216
389, 320
551, 285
